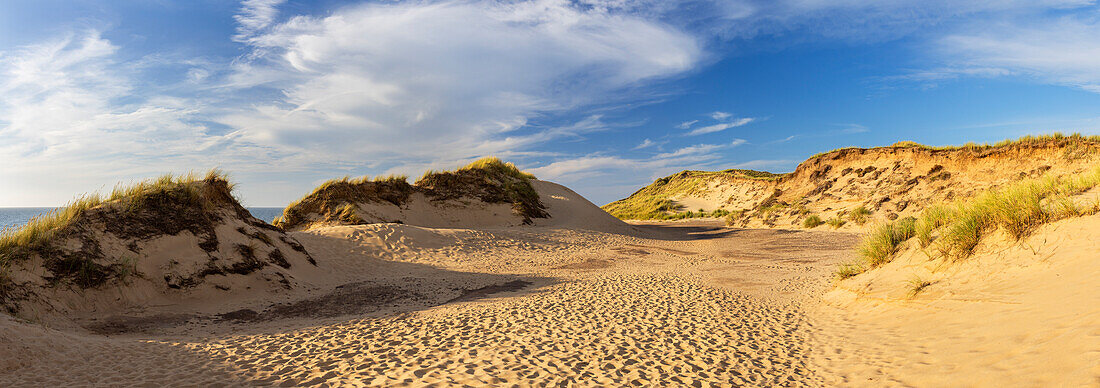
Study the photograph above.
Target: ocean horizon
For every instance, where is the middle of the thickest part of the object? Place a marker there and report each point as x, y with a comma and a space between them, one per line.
15, 217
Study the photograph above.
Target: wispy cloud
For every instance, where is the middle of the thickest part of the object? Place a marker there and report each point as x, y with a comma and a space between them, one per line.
721, 126
645, 144
720, 116
1063, 50
687, 124
254, 16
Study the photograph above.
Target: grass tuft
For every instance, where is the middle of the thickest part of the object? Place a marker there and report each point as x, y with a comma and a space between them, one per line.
880, 244
916, 285
812, 221
859, 215
836, 222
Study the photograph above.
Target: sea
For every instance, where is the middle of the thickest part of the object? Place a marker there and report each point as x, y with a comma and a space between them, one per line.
15, 217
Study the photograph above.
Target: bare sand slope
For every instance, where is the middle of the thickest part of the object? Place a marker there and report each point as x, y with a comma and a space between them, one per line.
1014, 314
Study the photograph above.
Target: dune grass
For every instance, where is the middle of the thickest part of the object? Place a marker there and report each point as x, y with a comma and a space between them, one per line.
916, 285
332, 195
859, 215
836, 222
954, 231
39, 231
812, 221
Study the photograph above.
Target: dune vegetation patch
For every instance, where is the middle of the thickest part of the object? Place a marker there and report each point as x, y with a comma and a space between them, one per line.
953, 231
1073, 143
335, 200
98, 239
489, 180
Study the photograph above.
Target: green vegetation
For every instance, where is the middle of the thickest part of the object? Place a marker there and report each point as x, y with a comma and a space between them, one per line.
488, 179
655, 202
186, 189
859, 215
836, 222
850, 269
167, 203
916, 285
331, 198
956, 230
881, 242
812, 221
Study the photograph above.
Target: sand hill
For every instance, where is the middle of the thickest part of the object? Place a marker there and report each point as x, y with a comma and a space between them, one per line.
856, 184
485, 193
161, 241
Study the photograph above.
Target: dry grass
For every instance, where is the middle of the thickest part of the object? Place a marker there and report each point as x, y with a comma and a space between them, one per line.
1017, 209
198, 193
859, 215
916, 285
331, 197
39, 231
884, 240
812, 221
836, 222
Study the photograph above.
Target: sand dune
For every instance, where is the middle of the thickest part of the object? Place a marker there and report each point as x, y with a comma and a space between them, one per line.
579, 298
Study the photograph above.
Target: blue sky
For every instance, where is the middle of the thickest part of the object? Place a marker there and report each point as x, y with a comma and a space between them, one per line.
600, 95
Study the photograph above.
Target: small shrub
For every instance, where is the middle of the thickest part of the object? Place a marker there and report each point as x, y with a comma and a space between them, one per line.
859, 215
836, 222
812, 221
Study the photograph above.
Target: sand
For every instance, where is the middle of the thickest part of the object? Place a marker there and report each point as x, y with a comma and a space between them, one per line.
680, 304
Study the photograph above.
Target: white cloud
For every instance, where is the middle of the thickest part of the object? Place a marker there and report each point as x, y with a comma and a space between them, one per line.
69, 113
687, 124
254, 16
721, 126
645, 144
443, 81
1064, 50
720, 116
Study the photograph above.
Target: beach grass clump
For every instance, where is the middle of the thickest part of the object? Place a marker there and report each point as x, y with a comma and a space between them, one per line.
849, 269
1017, 209
916, 285
812, 221
332, 199
930, 219
859, 215
836, 222
880, 244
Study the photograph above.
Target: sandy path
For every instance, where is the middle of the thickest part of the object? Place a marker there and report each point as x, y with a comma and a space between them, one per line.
691, 305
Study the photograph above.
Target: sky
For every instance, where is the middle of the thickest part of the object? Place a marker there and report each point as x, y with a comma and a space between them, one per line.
603, 96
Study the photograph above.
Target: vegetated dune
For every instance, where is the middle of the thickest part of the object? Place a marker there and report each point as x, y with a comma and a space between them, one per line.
853, 186
158, 242
485, 193
998, 287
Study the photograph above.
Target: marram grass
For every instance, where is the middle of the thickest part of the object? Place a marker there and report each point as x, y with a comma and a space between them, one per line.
954, 231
